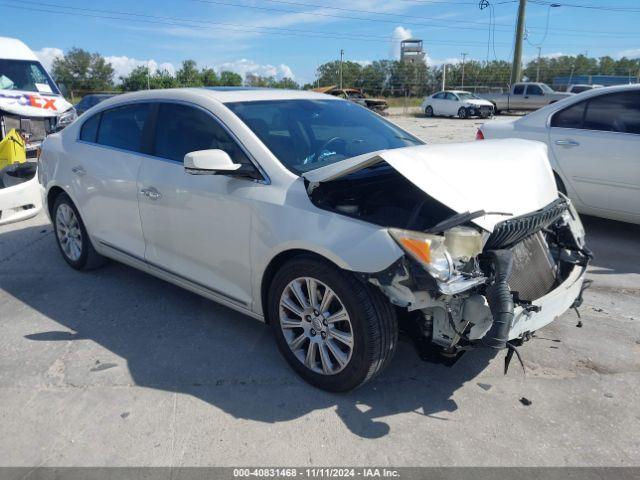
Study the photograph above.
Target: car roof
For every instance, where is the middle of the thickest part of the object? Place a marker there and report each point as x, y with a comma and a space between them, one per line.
225, 94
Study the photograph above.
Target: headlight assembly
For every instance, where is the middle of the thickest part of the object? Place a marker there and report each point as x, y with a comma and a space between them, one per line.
426, 249
440, 254
66, 118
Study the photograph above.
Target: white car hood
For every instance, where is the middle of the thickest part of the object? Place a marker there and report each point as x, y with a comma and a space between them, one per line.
478, 102
508, 176
32, 104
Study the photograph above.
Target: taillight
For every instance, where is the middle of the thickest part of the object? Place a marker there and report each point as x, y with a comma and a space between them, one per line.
479, 135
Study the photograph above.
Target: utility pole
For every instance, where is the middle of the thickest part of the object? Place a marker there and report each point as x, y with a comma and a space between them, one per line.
464, 56
148, 77
538, 66
444, 76
516, 68
341, 58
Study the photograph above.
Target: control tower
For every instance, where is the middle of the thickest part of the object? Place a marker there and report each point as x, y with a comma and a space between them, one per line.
411, 51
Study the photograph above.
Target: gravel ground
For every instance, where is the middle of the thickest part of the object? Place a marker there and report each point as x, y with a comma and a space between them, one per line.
115, 367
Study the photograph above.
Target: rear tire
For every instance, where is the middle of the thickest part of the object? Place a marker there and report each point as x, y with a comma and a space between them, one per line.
428, 112
71, 236
370, 324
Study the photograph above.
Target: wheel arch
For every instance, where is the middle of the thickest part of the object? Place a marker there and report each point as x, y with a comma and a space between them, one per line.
53, 193
276, 263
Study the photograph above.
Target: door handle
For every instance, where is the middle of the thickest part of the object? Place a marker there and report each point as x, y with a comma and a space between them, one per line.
151, 193
78, 170
567, 143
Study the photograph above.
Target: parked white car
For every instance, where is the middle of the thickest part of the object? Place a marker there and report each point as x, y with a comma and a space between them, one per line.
456, 103
593, 139
321, 218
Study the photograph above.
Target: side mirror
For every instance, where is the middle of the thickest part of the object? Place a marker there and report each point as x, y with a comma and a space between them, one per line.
209, 162
63, 89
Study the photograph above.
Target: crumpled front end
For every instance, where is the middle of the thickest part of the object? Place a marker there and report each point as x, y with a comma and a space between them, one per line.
489, 289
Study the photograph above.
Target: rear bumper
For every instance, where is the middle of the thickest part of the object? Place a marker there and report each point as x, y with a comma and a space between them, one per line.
552, 305
21, 201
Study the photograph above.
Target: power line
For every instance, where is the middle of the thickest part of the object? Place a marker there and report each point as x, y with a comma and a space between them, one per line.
610, 8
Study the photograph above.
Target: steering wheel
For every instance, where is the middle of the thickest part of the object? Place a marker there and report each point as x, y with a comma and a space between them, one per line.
338, 143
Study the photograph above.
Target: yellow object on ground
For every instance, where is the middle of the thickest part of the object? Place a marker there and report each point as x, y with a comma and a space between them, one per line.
12, 149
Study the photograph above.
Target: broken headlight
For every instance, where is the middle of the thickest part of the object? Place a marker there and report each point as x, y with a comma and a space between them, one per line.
440, 254
66, 118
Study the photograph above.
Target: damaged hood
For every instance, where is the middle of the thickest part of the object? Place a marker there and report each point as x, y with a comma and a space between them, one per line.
32, 104
506, 176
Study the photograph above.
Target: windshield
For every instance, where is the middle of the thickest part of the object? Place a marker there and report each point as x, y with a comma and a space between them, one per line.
546, 88
465, 95
25, 75
309, 134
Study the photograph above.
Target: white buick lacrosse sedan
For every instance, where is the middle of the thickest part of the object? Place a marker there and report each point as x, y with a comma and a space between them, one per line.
321, 218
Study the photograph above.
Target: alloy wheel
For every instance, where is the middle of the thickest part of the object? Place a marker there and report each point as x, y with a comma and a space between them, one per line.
69, 232
316, 325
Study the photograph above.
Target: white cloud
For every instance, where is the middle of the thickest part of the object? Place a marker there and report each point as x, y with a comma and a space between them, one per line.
631, 53
245, 66
123, 65
399, 33
529, 58
47, 55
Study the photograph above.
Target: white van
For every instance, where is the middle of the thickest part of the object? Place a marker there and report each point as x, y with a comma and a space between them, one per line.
31, 104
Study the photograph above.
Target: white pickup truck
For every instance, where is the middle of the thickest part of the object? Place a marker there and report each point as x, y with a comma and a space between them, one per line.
524, 96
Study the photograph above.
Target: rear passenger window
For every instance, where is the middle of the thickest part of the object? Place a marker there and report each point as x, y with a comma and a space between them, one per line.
122, 127
570, 117
518, 90
615, 112
181, 129
89, 129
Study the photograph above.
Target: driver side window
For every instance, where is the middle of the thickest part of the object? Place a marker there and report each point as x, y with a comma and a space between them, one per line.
181, 129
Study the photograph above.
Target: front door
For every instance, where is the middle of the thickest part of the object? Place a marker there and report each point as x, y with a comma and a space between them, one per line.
196, 227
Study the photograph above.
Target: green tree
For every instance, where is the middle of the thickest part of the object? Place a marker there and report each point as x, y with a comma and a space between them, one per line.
188, 74
208, 77
230, 79
79, 69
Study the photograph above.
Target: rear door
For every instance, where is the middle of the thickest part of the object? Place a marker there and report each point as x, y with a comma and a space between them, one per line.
596, 144
437, 102
196, 227
105, 168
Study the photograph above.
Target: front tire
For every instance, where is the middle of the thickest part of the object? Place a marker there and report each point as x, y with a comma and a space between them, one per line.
334, 330
428, 112
462, 113
72, 237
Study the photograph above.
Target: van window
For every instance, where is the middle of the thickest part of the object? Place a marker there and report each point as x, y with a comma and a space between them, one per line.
122, 127
181, 129
26, 75
518, 89
89, 130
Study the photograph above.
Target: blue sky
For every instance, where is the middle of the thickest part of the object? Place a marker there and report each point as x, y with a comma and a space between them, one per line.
292, 37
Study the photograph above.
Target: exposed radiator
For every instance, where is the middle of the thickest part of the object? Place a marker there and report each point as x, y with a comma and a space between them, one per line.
534, 271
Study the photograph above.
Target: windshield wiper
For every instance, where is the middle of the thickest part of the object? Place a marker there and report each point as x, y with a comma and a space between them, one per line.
460, 218
414, 140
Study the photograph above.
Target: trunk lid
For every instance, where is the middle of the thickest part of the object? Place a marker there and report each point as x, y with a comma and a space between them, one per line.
506, 176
